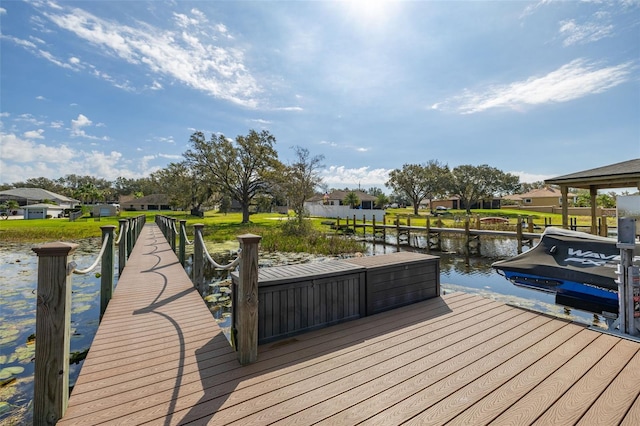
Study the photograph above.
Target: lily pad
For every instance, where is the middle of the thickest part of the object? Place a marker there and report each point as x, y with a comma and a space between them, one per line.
7, 372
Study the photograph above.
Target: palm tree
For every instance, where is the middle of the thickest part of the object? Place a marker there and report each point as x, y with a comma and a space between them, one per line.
351, 199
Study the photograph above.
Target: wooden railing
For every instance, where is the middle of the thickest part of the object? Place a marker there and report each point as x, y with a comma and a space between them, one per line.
53, 312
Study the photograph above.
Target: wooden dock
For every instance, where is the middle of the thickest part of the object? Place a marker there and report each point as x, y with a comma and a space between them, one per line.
159, 358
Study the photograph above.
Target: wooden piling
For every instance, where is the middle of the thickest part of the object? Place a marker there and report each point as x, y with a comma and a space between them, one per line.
106, 269
246, 311
122, 245
53, 321
198, 258
183, 242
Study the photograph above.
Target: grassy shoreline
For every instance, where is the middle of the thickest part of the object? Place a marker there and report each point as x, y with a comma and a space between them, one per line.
219, 227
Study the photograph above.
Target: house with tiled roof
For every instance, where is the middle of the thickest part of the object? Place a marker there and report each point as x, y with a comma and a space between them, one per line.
547, 196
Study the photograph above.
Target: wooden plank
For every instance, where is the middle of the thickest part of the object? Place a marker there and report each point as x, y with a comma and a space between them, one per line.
486, 403
294, 356
527, 409
447, 408
618, 398
575, 402
289, 393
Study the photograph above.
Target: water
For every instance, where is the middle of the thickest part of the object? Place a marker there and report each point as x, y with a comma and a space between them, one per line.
471, 274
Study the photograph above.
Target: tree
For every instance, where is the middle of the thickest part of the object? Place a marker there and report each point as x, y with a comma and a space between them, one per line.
530, 186
418, 182
351, 199
185, 188
7, 207
87, 193
475, 183
242, 168
606, 200
381, 200
301, 179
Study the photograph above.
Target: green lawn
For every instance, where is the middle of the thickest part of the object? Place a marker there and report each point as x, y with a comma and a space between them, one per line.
221, 227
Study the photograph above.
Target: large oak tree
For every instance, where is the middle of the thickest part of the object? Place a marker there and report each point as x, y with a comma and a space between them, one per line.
241, 168
419, 181
475, 183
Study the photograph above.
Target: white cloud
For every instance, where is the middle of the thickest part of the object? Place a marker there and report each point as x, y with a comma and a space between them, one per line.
74, 60
34, 134
22, 151
79, 123
41, 98
261, 121
3, 11
531, 177
18, 41
574, 80
171, 156
22, 159
56, 124
289, 109
196, 61
340, 176
585, 33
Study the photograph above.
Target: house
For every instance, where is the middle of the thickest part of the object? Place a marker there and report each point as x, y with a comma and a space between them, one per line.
42, 211
456, 203
149, 202
105, 210
335, 198
29, 196
546, 196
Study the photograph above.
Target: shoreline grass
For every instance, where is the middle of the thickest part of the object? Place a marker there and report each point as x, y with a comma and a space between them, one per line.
220, 227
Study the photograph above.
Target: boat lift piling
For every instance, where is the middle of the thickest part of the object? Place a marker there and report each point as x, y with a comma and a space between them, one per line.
628, 279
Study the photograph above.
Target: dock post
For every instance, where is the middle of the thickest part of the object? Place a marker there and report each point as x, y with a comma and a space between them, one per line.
183, 243
122, 245
172, 233
198, 258
246, 311
398, 232
354, 224
466, 231
409, 231
106, 269
130, 236
530, 223
604, 229
373, 224
478, 221
519, 234
53, 321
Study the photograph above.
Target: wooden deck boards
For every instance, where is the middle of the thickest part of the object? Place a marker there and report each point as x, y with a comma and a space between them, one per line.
159, 358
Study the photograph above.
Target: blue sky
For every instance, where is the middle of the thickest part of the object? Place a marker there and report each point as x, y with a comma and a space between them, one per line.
115, 88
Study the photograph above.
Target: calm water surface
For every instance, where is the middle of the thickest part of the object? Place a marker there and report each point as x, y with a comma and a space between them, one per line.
471, 274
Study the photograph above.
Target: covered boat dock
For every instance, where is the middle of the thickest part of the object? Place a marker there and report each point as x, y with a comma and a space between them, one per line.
619, 175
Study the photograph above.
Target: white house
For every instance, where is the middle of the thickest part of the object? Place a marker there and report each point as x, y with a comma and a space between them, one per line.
41, 211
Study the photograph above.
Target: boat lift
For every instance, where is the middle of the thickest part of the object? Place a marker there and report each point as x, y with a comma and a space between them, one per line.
628, 322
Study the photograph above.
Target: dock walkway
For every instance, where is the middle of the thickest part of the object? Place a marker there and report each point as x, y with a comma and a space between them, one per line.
159, 358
